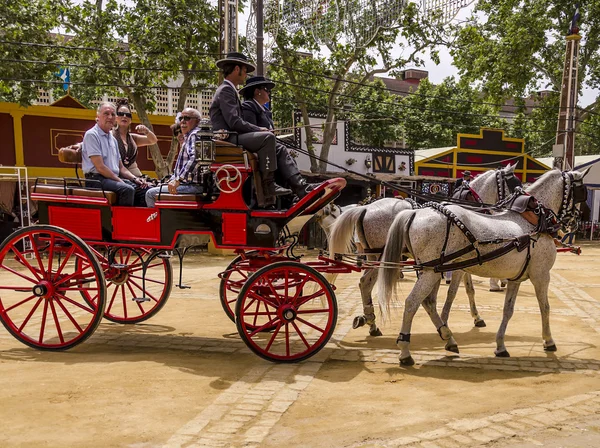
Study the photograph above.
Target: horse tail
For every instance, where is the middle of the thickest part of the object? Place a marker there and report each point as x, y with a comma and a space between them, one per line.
395, 246
343, 229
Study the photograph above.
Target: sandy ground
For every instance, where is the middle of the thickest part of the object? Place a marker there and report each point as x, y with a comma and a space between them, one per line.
184, 378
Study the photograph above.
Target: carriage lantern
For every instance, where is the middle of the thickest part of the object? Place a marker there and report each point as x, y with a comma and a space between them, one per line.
205, 145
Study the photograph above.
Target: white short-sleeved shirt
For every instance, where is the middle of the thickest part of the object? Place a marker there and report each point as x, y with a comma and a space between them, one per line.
96, 142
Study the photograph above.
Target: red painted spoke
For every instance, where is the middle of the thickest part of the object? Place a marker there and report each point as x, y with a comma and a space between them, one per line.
263, 327
160, 263
148, 280
25, 263
273, 290
287, 283
257, 297
72, 302
299, 289
37, 253
64, 262
273, 336
287, 339
145, 293
43, 327
58, 329
314, 311
76, 289
50, 257
313, 296
78, 273
124, 299
112, 300
66, 313
17, 288
30, 314
19, 304
311, 325
300, 334
139, 304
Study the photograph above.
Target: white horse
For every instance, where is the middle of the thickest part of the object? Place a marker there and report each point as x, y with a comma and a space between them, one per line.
369, 224
474, 237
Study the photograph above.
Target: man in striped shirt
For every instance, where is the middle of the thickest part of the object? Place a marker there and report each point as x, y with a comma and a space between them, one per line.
184, 179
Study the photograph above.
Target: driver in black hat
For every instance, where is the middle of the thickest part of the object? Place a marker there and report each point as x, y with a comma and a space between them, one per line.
465, 179
226, 113
257, 93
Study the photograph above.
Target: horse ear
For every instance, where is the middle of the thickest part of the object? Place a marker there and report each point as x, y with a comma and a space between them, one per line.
511, 168
584, 172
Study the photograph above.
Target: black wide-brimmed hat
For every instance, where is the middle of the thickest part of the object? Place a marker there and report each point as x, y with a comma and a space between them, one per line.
238, 59
466, 173
257, 81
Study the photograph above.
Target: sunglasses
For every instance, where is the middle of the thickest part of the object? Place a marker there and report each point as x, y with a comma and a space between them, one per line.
124, 114
187, 118
266, 89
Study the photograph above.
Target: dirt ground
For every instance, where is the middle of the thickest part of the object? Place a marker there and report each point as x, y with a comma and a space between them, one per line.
184, 378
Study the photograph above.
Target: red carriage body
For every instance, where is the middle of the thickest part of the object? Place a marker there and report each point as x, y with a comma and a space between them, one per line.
88, 259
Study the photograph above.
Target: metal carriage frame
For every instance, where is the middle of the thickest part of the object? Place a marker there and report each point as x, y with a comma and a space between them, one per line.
88, 258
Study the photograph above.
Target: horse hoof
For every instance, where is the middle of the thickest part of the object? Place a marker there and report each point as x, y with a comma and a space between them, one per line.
452, 348
407, 362
502, 354
376, 332
550, 348
358, 322
480, 323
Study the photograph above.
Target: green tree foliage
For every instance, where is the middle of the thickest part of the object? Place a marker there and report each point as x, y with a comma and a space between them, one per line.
432, 115
31, 22
142, 47
341, 59
513, 48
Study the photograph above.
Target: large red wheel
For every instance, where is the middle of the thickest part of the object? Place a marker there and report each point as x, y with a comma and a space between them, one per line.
293, 300
130, 300
43, 271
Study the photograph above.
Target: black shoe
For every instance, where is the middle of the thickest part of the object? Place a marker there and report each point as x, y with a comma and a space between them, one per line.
305, 189
280, 191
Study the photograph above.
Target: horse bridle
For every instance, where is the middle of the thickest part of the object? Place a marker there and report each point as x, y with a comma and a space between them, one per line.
574, 192
511, 181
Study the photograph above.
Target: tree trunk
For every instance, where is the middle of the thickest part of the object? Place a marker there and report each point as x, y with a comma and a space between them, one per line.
161, 167
328, 135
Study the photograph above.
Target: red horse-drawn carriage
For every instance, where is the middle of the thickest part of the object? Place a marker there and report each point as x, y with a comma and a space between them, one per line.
88, 259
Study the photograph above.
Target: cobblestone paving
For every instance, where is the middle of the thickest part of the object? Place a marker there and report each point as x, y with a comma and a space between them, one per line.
250, 408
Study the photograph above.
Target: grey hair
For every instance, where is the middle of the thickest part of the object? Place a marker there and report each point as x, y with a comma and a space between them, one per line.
192, 111
105, 103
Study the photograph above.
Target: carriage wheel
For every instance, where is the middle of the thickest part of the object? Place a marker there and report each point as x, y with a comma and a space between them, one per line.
296, 302
43, 270
124, 284
232, 281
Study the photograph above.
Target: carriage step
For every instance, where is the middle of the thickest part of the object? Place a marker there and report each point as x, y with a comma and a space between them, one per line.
118, 266
141, 299
166, 254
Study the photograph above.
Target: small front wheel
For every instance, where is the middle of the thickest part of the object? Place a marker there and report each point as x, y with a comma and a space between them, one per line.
295, 303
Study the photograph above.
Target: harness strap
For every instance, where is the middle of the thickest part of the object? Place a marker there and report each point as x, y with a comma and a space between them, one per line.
518, 243
524, 265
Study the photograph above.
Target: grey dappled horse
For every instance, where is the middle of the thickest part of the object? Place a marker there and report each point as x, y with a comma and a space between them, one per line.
369, 224
422, 235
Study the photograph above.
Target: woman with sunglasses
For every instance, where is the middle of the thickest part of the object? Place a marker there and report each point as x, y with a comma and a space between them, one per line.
257, 93
130, 142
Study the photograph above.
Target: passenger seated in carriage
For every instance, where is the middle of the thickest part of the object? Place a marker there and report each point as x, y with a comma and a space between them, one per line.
101, 160
184, 178
257, 93
226, 114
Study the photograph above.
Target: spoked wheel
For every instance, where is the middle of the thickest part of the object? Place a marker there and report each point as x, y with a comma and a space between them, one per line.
130, 300
232, 281
296, 302
43, 271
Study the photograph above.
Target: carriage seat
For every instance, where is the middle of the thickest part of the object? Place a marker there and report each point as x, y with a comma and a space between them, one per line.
69, 155
60, 190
